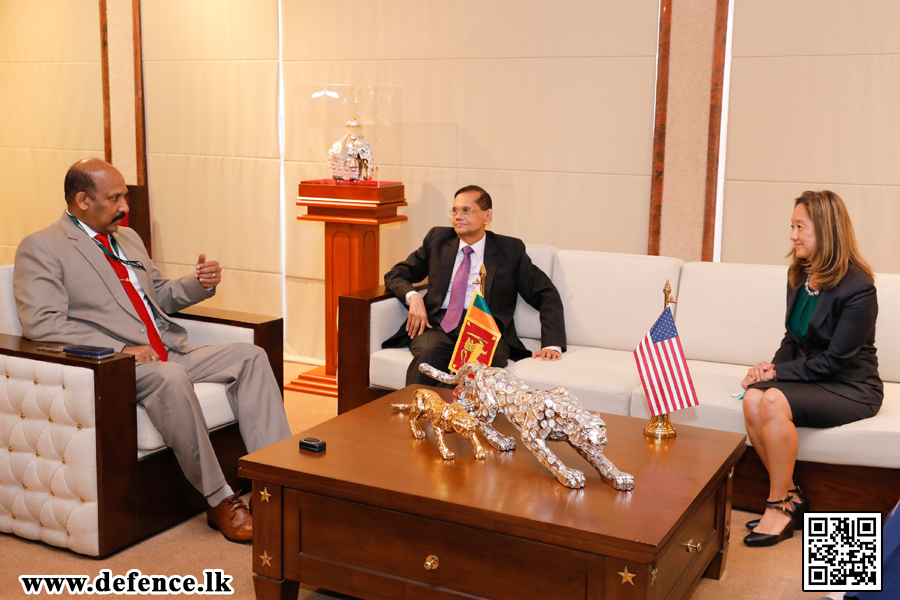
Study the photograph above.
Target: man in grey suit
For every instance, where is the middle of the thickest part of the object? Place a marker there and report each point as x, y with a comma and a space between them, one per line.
86, 280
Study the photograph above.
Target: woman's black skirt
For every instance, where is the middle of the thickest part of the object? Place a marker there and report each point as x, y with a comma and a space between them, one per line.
814, 406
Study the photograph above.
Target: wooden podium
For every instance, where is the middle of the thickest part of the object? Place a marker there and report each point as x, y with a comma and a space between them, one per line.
352, 213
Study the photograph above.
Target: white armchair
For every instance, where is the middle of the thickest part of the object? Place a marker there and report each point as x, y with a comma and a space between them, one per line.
81, 465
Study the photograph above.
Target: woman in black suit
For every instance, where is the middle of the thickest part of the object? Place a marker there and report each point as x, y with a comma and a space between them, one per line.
825, 373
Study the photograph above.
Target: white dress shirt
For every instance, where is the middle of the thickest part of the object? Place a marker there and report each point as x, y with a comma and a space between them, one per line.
132, 276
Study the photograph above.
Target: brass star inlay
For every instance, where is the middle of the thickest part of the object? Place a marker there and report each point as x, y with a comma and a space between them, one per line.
627, 577
267, 560
265, 494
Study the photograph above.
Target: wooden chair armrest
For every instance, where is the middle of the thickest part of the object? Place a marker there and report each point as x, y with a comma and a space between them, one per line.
354, 313
268, 332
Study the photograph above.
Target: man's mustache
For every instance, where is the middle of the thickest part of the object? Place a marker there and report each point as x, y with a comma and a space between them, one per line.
119, 217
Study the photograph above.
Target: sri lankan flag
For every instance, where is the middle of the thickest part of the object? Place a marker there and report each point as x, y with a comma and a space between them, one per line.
478, 336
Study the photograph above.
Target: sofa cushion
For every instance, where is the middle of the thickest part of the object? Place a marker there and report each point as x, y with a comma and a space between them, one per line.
387, 367
611, 300
601, 379
9, 319
385, 318
731, 313
871, 442
216, 411
203, 333
527, 319
887, 329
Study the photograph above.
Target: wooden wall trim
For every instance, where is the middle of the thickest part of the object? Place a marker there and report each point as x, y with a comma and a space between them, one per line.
139, 114
140, 218
659, 129
104, 68
139, 214
715, 129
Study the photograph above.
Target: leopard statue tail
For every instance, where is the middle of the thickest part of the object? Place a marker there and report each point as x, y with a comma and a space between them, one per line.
439, 375
404, 407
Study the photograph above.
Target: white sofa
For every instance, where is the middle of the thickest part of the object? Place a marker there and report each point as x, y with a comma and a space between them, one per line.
65, 422
728, 316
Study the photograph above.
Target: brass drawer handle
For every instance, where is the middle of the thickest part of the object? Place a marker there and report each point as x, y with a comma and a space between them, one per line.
431, 563
691, 546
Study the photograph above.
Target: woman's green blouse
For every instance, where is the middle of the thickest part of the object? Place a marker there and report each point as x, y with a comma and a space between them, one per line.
803, 310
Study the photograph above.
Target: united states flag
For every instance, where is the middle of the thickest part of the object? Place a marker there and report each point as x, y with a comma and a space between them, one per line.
663, 368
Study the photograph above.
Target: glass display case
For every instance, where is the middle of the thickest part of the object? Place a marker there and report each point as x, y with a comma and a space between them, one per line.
354, 131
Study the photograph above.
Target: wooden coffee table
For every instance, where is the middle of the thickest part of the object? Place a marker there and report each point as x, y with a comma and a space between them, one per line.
379, 514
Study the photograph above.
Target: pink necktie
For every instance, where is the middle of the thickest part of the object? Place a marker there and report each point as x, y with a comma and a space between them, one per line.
458, 293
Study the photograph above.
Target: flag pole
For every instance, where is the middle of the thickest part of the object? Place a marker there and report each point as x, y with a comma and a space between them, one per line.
660, 427
482, 273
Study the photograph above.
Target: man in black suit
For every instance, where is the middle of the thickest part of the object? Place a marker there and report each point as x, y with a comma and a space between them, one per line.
434, 322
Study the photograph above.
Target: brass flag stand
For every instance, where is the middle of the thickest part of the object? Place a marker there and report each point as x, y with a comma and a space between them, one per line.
480, 281
660, 426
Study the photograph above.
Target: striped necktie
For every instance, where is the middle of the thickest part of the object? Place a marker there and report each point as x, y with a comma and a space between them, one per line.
458, 293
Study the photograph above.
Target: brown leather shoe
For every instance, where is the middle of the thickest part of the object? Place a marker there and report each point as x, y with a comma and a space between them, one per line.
232, 518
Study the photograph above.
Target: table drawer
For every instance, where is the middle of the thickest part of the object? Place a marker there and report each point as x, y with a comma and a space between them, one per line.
676, 558
470, 561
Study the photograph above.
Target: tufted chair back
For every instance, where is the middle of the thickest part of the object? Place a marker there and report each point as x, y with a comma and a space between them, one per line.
9, 320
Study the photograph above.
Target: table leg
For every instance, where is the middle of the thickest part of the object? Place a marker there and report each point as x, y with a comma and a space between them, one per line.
717, 566
723, 525
275, 589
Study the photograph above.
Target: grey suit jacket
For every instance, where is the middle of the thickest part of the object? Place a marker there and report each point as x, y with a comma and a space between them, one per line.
67, 292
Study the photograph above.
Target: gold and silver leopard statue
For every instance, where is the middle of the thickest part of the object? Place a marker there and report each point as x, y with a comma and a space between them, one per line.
540, 417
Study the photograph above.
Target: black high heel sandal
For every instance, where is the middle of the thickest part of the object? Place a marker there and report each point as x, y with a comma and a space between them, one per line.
801, 507
758, 540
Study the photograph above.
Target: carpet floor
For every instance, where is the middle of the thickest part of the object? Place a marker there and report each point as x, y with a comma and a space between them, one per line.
190, 547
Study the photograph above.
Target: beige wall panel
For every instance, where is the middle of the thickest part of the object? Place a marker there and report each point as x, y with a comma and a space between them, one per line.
429, 192
51, 105
305, 319
537, 114
7, 254
304, 241
568, 211
121, 87
340, 30
572, 211
210, 30
31, 189
49, 31
247, 291
228, 208
756, 221
813, 27
814, 119
212, 108
756, 224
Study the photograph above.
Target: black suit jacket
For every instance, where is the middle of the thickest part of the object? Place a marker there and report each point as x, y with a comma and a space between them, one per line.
839, 352
510, 272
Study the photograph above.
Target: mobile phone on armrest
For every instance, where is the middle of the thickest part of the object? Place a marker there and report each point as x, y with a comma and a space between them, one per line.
89, 351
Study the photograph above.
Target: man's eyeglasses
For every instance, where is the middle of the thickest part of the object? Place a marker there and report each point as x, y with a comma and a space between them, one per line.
464, 210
